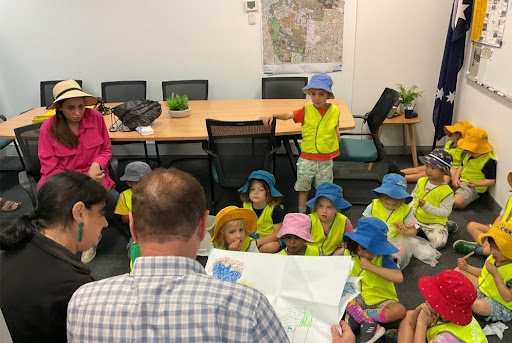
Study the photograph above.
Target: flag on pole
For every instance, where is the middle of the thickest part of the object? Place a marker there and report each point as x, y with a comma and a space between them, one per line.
453, 58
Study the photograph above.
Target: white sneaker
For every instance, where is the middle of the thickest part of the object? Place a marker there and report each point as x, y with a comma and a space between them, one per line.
88, 255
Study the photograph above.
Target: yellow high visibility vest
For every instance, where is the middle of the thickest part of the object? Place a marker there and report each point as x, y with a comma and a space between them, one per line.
472, 169
488, 286
508, 209
434, 197
456, 153
397, 216
470, 333
265, 224
319, 134
327, 245
311, 250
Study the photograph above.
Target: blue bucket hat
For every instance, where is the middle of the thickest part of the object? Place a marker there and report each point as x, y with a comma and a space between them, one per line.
394, 186
438, 158
265, 176
320, 81
371, 233
332, 192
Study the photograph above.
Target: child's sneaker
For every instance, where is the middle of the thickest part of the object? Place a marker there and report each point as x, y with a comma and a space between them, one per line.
452, 226
465, 247
370, 332
354, 325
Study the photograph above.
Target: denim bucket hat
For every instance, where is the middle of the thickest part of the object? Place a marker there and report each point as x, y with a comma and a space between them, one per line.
135, 170
371, 233
332, 192
320, 81
394, 186
438, 158
265, 176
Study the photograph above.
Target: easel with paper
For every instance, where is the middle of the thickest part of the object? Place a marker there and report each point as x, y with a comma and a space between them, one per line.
305, 291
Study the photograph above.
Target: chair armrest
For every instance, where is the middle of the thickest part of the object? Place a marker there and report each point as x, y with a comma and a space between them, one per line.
207, 149
113, 167
29, 184
365, 117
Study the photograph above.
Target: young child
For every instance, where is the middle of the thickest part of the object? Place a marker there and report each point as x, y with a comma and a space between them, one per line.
295, 232
260, 195
328, 224
475, 229
455, 132
494, 281
433, 199
320, 136
446, 315
370, 251
478, 170
233, 227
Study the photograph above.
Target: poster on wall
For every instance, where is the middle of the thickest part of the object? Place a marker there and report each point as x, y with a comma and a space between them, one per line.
302, 36
489, 19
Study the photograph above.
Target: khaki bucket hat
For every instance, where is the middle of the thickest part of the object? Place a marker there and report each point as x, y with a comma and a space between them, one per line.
68, 89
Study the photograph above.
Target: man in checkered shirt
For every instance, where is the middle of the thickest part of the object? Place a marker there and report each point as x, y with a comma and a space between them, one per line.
168, 297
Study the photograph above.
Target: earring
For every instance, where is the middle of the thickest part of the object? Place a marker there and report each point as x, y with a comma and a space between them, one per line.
80, 232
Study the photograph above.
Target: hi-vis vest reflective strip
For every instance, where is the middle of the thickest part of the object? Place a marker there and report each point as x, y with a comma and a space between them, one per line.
471, 333
311, 250
488, 286
374, 289
265, 224
472, 169
456, 153
434, 198
508, 208
318, 132
397, 216
327, 245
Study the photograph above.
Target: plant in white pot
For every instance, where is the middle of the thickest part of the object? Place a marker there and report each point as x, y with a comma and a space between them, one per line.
408, 96
178, 105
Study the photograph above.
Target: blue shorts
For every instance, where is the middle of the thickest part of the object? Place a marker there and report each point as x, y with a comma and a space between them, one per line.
281, 242
498, 311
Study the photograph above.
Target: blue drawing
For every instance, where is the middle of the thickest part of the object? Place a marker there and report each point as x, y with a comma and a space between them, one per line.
227, 269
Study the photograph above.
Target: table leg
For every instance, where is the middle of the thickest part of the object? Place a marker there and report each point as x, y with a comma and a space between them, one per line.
413, 145
404, 139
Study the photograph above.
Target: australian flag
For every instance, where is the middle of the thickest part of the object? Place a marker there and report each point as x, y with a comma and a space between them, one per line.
453, 58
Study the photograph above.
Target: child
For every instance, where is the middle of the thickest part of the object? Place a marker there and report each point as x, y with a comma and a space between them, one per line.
260, 195
446, 315
233, 226
478, 170
295, 232
370, 251
320, 136
433, 199
455, 132
475, 229
328, 225
494, 281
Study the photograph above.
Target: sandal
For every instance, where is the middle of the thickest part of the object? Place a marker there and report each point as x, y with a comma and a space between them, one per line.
9, 205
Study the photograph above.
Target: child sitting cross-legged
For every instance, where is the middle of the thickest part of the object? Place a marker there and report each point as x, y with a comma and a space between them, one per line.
233, 227
494, 281
295, 232
328, 224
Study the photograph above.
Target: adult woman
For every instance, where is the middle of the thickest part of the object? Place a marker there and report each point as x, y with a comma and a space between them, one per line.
40, 271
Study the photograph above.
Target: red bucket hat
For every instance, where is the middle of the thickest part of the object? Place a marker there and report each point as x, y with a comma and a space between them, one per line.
450, 294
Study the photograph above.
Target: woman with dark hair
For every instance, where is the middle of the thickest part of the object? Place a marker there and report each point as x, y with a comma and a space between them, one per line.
40, 270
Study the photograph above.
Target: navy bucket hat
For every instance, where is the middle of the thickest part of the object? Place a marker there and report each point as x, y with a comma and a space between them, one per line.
394, 186
320, 81
332, 192
371, 233
265, 176
438, 158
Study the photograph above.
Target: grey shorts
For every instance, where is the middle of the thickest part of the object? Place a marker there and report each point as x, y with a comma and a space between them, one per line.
309, 171
498, 311
469, 194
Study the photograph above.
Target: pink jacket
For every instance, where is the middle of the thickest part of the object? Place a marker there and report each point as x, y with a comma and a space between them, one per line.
93, 146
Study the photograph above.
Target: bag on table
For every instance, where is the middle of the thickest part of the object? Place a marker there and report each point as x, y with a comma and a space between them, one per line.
138, 112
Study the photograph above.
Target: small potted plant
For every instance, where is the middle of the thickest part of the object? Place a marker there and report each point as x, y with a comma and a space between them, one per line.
178, 105
407, 97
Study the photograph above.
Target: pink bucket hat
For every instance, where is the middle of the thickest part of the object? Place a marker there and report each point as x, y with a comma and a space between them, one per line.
297, 224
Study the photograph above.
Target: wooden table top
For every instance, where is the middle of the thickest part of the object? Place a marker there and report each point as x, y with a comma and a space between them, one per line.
400, 119
193, 127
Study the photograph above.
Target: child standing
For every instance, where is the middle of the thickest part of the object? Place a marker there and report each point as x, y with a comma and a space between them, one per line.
433, 199
233, 227
446, 315
320, 136
328, 224
295, 232
260, 196
494, 281
478, 170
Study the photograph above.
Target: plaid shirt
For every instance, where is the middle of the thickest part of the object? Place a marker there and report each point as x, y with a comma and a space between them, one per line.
170, 299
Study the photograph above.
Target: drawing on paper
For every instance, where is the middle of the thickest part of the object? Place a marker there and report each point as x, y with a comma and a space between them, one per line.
227, 269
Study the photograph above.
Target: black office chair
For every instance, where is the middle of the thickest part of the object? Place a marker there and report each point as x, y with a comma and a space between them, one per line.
235, 149
285, 88
46, 91
4, 142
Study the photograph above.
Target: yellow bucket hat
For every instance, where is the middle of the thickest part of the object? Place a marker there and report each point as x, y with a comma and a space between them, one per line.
68, 89
230, 213
461, 126
502, 234
476, 141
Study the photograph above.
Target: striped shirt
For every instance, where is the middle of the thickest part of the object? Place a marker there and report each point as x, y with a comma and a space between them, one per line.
170, 299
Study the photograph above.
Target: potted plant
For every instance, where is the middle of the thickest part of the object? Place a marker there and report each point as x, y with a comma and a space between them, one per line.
407, 97
178, 105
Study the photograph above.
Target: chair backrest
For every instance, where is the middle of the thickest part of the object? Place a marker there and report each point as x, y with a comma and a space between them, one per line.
28, 137
193, 89
381, 109
122, 91
283, 87
46, 92
240, 148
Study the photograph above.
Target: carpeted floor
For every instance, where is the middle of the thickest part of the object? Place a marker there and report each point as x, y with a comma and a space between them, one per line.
112, 257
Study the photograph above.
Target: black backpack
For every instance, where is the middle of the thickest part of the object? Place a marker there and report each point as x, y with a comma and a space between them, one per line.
138, 112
